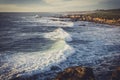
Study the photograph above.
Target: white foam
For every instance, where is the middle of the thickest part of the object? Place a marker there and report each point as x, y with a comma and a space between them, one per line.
48, 21
35, 62
58, 34
51, 21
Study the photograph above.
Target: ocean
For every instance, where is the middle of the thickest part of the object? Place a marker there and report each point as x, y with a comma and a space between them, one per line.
36, 46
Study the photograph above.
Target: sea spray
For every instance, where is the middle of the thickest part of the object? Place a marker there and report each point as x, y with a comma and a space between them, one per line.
38, 61
50, 21
58, 34
35, 62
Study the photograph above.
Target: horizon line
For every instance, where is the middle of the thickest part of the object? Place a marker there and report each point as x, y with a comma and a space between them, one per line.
54, 12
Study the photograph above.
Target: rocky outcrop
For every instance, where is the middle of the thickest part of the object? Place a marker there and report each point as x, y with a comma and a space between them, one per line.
116, 74
96, 17
76, 73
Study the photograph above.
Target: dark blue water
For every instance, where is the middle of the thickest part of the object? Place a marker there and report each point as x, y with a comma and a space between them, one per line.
26, 51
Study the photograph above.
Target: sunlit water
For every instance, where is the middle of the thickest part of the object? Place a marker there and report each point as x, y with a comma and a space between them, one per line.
31, 46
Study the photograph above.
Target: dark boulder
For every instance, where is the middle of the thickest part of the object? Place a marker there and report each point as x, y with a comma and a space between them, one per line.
53, 68
76, 73
116, 74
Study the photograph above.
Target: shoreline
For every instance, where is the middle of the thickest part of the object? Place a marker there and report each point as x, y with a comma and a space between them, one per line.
110, 17
108, 22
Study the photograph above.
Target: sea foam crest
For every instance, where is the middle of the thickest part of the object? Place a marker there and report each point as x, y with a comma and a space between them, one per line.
35, 62
51, 21
58, 34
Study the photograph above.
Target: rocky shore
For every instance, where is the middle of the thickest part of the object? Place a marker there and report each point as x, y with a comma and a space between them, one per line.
116, 74
111, 17
76, 73
84, 73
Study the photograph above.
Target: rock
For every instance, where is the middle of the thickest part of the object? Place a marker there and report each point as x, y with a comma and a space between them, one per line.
55, 68
76, 73
116, 74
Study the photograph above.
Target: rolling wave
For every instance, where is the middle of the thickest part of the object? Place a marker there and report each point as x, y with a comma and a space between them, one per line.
35, 62
58, 34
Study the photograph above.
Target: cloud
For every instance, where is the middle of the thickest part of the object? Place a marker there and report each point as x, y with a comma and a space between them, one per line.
111, 3
56, 5
71, 2
69, 5
21, 1
17, 8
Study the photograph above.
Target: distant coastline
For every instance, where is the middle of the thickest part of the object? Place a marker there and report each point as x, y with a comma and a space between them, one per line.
111, 16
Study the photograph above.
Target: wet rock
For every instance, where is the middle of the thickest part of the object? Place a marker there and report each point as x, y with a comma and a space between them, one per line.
55, 68
82, 25
76, 73
116, 74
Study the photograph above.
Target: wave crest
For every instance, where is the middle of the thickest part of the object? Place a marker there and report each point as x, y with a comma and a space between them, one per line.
58, 34
36, 62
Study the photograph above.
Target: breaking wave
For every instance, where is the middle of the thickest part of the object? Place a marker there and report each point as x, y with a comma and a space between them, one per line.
59, 34
36, 62
50, 21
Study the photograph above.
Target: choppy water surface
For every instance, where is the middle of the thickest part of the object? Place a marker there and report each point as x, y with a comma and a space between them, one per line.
41, 47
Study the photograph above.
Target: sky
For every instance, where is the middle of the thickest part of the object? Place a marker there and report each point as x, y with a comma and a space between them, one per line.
56, 5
